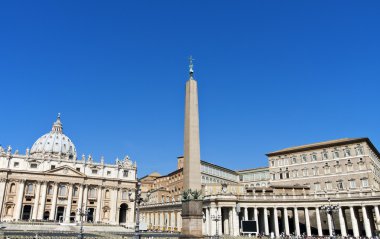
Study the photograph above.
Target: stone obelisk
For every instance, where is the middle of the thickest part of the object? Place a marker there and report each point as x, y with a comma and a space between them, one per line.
192, 157
191, 207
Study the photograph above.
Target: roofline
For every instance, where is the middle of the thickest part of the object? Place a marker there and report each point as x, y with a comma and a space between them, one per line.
311, 147
229, 170
251, 169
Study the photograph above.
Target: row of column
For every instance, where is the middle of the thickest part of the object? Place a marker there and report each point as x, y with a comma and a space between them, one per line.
40, 196
287, 220
162, 220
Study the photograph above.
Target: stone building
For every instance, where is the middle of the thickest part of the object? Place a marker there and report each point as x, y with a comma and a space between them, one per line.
286, 196
49, 183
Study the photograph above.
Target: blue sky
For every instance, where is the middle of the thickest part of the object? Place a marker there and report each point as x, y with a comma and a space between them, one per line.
271, 74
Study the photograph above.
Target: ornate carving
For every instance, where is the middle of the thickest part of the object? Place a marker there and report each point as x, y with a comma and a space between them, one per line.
3, 179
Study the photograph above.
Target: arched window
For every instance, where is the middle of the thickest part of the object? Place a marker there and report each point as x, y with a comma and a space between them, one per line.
12, 188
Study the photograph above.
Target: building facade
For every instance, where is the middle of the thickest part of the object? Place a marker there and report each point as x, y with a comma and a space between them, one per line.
284, 198
49, 183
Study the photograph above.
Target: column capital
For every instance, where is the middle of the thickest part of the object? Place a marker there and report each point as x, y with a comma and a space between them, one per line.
3, 179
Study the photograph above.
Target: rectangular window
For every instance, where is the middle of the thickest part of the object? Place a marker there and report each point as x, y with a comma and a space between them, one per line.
304, 172
304, 158
314, 157
349, 168
125, 173
352, 184
336, 154
78, 169
315, 171
52, 166
365, 183
359, 151
33, 165
340, 185
347, 153
317, 187
94, 171
328, 186
108, 173
16, 164
294, 160
327, 170
325, 155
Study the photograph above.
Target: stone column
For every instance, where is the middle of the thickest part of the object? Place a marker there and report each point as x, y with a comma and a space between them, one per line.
207, 232
36, 200
342, 223
220, 221
80, 202
235, 219
41, 209
296, 222
179, 221
286, 221
20, 197
54, 202
276, 226
113, 211
367, 224
230, 222
99, 205
319, 224
329, 221
256, 217
245, 213
69, 202
3, 182
377, 214
307, 219
266, 226
354, 221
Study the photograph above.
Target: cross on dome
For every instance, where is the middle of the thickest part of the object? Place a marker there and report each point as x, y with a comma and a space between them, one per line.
57, 126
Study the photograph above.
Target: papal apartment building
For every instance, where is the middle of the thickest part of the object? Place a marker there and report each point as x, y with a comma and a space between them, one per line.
284, 198
50, 183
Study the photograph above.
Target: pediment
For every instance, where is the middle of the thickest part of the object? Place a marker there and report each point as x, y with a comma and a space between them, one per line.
65, 171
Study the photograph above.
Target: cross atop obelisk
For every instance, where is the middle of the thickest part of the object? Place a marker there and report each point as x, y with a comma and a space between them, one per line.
192, 162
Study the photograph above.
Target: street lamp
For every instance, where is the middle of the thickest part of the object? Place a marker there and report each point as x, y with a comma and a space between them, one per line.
330, 209
82, 212
137, 200
216, 218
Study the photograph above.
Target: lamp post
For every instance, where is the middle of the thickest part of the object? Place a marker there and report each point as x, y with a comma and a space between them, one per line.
216, 218
330, 209
137, 200
82, 212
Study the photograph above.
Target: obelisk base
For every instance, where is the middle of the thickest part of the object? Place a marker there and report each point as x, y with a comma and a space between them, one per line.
192, 219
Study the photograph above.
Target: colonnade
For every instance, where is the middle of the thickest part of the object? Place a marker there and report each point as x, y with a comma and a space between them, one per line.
170, 221
45, 205
357, 220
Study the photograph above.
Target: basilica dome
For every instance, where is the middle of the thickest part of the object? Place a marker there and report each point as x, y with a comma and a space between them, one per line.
54, 144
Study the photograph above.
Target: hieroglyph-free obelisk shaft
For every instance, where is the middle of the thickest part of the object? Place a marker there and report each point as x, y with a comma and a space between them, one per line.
192, 163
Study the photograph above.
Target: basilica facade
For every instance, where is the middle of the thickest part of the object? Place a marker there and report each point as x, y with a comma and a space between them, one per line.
49, 183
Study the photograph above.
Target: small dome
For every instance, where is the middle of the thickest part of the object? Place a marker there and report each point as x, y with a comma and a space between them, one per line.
55, 143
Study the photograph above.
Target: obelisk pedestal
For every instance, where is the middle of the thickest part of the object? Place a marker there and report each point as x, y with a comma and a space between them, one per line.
191, 207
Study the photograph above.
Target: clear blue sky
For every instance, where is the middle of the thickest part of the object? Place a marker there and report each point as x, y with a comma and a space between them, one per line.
271, 74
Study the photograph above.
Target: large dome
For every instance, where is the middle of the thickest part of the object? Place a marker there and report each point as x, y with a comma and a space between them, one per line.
54, 144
